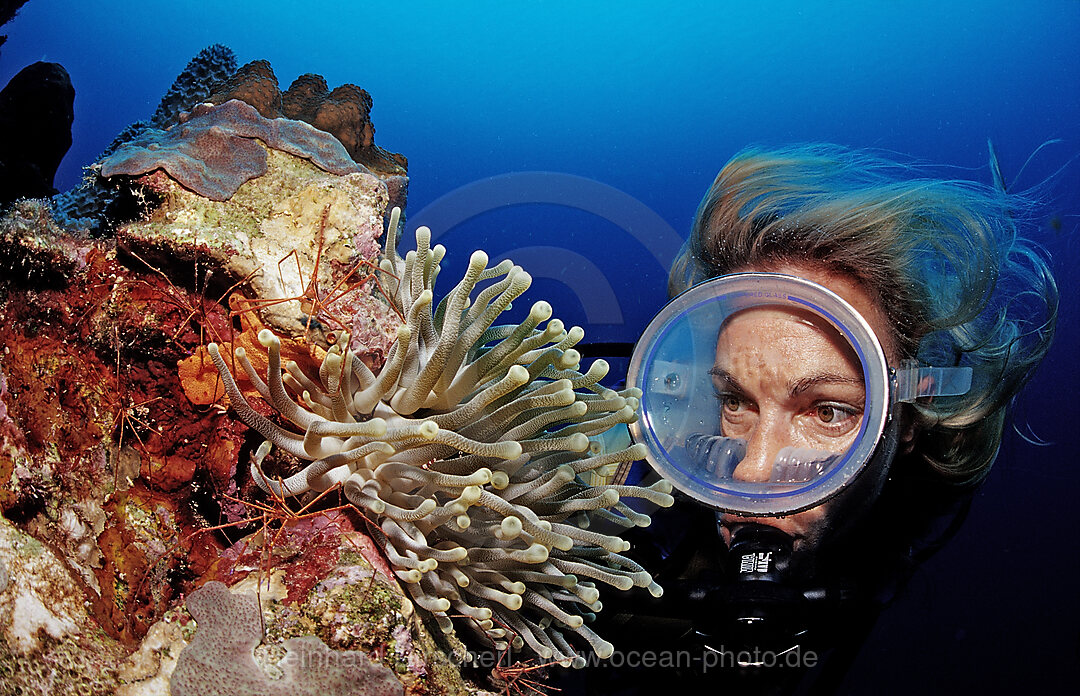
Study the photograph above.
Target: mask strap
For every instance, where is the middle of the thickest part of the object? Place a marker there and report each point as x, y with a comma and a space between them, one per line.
911, 382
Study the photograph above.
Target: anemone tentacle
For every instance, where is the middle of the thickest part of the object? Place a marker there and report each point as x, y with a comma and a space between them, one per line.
468, 448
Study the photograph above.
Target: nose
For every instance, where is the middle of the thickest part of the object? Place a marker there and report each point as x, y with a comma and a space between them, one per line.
770, 435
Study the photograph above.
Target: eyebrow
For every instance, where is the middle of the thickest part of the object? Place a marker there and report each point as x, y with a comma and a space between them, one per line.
723, 374
795, 388
801, 385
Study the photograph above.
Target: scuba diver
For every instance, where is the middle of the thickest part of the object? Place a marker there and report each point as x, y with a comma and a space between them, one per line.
825, 390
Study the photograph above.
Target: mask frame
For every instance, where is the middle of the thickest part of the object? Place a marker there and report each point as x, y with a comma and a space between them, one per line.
677, 345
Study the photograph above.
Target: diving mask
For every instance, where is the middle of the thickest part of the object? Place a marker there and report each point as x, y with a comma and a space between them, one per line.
689, 365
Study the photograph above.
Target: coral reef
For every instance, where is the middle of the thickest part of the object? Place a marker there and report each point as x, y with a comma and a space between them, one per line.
36, 112
85, 206
344, 112
48, 644
100, 446
106, 460
302, 240
219, 659
212, 77
211, 66
467, 447
463, 449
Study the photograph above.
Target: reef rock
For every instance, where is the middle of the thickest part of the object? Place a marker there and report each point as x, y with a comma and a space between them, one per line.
323, 605
48, 642
127, 495
302, 240
212, 76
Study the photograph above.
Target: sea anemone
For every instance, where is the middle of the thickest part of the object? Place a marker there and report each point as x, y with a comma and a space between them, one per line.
469, 448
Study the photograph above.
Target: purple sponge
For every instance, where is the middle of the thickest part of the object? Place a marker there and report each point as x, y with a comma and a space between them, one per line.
219, 660
213, 153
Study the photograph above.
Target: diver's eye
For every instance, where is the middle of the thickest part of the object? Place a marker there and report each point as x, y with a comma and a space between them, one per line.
826, 413
835, 418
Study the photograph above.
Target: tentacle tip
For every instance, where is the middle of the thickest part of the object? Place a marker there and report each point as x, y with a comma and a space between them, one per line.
541, 311
578, 442
500, 480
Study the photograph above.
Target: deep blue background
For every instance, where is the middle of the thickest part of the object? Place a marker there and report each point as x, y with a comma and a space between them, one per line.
644, 103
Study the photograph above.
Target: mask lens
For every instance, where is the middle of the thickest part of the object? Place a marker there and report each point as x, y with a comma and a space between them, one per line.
757, 396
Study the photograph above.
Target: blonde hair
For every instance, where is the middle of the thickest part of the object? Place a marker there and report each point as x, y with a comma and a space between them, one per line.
942, 258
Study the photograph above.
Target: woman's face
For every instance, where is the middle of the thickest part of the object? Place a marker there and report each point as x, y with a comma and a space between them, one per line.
789, 379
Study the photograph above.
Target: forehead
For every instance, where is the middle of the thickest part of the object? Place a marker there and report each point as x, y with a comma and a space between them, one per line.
783, 341
853, 292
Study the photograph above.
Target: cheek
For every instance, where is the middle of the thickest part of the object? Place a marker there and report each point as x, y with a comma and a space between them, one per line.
810, 525
848, 508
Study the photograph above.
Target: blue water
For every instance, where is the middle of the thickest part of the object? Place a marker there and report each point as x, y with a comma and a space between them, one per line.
630, 112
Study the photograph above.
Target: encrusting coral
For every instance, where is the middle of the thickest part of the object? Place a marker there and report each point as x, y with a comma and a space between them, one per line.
213, 152
219, 660
467, 448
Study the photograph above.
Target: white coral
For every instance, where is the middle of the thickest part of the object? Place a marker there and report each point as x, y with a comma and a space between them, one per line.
468, 447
